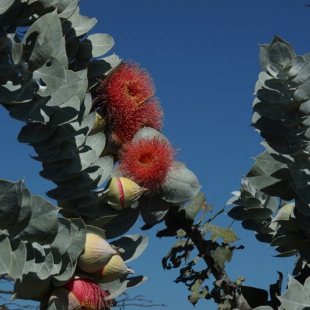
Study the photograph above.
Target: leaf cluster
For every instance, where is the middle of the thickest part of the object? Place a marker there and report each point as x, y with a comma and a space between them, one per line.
38, 248
274, 196
280, 174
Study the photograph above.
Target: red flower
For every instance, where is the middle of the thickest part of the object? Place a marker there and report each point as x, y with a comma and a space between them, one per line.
147, 161
125, 89
148, 114
89, 294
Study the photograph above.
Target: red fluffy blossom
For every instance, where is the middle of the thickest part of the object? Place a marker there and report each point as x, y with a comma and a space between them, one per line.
148, 114
126, 88
89, 294
147, 161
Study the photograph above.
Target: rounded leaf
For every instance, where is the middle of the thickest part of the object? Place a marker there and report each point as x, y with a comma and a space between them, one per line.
181, 185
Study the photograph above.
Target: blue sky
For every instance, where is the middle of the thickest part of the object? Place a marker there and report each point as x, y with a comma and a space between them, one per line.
203, 58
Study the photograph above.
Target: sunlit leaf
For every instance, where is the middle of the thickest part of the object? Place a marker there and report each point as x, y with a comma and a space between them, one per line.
41, 38
194, 206
148, 133
222, 255
52, 74
18, 259
5, 254
227, 234
5, 5
66, 90
79, 25
67, 7
95, 45
181, 186
296, 296
197, 292
96, 142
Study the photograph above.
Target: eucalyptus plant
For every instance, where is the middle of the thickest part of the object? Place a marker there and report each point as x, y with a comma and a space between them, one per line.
95, 124
54, 79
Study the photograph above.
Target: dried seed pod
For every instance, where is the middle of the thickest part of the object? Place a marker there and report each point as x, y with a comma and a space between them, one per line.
96, 254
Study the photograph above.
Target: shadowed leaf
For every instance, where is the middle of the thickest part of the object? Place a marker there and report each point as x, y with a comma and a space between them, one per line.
43, 225
133, 246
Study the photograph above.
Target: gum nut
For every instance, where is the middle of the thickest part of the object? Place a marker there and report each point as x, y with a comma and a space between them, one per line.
64, 299
123, 193
96, 254
115, 269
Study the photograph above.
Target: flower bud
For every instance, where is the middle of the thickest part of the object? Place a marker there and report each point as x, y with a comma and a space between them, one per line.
99, 125
123, 193
113, 270
80, 293
96, 254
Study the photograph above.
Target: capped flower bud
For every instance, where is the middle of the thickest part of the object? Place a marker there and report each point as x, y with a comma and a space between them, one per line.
99, 125
123, 193
96, 254
80, 294
113, 270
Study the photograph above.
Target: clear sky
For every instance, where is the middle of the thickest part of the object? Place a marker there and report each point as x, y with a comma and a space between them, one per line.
203, 58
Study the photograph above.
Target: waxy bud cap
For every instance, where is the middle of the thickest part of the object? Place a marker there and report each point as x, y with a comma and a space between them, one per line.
123, 193
96, 254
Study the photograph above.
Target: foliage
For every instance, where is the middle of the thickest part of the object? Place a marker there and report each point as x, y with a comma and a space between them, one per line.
51, 70
95, 125
273, 199
281, 171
